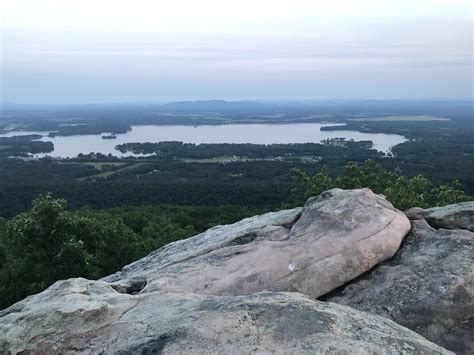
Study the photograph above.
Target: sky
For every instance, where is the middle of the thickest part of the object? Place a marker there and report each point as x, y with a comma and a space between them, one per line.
93, 51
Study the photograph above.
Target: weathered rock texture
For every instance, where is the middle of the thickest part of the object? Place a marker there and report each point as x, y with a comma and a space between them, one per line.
457, 216
225, 291
89, 317
334, 238
429, 285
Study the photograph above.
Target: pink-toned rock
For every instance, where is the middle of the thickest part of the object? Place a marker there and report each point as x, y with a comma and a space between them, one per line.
206, 294
79, 316
428, 286
339, 235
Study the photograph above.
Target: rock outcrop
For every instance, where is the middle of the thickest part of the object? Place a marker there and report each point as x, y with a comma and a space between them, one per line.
89, 317
457, 216
429, 285
252, 287
334, 238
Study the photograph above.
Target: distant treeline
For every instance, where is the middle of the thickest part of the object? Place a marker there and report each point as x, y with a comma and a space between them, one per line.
253, 151
24, 145
258, 176
94, 127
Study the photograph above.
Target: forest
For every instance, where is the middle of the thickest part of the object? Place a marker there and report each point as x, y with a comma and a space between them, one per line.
51, 242
90, 215
218, 174
24, 145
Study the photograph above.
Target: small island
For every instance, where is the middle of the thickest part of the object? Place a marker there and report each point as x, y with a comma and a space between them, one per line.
110, 136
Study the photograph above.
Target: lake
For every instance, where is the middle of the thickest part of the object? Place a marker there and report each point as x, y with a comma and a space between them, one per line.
71, 146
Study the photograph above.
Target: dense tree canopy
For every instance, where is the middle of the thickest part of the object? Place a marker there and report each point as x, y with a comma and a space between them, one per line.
119, 209
49, 243
401, 191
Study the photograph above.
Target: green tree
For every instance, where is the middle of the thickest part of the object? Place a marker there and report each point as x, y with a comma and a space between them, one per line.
449, 193
367, 174
163, 231
3, 255
48, 243
314, 185
401, 191
404, 193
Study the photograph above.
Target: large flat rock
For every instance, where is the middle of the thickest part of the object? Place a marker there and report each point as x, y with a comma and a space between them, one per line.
334, 238
428, 286
79, 316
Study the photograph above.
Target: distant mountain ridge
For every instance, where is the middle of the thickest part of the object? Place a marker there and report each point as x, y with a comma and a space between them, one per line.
254, 107
217, 105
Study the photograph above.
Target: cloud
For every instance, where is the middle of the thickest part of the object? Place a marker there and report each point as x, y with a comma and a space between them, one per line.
289, 44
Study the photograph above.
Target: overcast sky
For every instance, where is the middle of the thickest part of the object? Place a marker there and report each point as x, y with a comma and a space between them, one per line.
64, 51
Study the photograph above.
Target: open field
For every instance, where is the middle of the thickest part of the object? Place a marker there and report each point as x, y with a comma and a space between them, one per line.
97, 165
107, 174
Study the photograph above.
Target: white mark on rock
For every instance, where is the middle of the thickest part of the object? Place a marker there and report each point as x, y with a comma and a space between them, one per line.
296, 266
293, 267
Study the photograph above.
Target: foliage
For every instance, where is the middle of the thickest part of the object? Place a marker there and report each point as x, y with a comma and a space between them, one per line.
177, 193
449, 193
403, 192
24, 145
175, 149
319, 182
49, 243
209, 175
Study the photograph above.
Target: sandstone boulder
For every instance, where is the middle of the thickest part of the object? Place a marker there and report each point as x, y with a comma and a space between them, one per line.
334, 238
90, 317
428, 286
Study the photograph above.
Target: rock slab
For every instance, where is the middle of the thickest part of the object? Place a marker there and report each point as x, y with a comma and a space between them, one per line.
429, 285
227, 291
79, 316
334, 238
457, 216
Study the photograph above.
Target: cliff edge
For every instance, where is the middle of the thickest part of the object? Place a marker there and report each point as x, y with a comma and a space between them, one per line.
253, 286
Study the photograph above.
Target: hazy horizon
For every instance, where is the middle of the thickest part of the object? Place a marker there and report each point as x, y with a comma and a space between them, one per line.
276, 101
56, 52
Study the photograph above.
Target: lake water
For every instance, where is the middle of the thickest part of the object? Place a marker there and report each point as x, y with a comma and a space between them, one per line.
71, 146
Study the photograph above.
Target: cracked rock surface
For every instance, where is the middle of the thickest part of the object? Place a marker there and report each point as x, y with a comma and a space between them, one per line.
456, 216
89, 317
429, 285
243, 288
334, 238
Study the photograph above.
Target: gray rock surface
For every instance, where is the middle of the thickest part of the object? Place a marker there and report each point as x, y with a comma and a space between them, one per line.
225, 291
334, 238
456, 216
428, 286
90, 317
